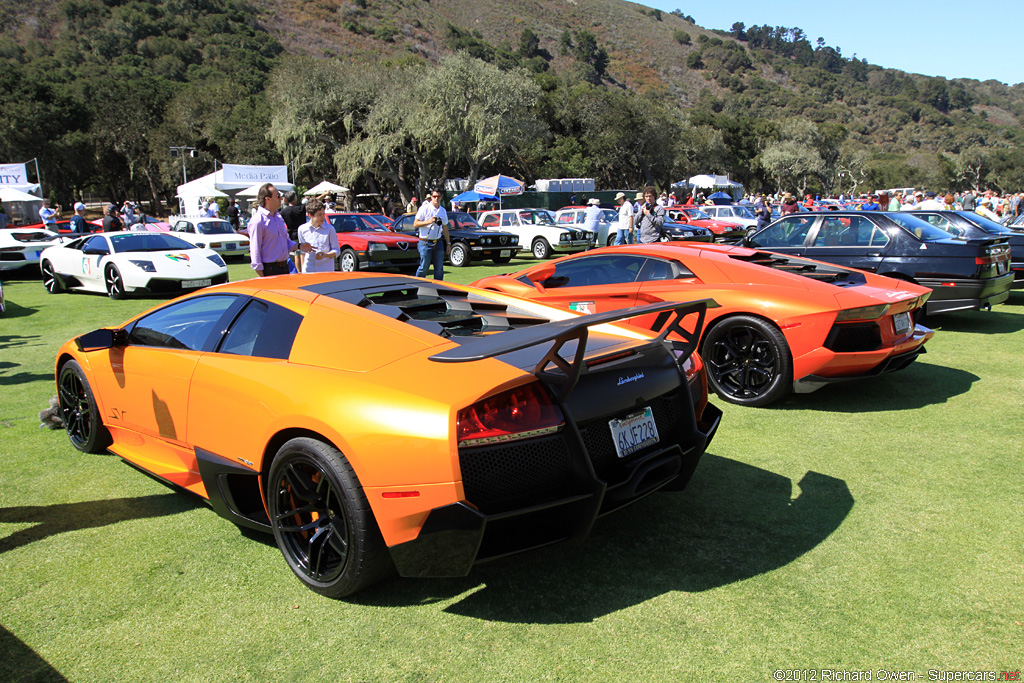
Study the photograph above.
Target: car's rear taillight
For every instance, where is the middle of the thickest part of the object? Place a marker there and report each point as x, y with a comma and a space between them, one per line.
993, 255
521, 413
862, 313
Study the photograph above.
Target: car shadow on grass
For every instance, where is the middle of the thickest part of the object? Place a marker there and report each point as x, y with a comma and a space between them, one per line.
8, 378
21, 663
995, 321
733, 522
13, 310
49, 520
919, 385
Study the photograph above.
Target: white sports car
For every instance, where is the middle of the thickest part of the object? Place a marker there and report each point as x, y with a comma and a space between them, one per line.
20, 247
121, 262
214, 233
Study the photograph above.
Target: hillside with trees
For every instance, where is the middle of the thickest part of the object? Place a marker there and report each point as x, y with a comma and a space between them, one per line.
395, 96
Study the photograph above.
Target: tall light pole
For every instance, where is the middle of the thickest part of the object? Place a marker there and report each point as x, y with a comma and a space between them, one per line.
181, 152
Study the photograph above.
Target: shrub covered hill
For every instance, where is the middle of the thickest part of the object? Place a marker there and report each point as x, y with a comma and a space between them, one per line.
394, 95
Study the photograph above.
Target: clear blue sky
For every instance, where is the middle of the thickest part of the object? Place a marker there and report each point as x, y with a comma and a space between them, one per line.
940, 38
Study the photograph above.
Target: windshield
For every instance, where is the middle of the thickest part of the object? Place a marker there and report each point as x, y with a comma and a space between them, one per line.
215, 228
922, 230
743, 212
463, 221
986, 224
148, 241
360, 223
609, 216
696, 214
537, 217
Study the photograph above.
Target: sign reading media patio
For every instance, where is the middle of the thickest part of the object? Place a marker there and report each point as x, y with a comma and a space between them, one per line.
238, 173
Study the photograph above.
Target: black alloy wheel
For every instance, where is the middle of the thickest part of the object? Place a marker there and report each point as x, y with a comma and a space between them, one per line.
322, 521
79, 412
115, 285
748, 361
50, 279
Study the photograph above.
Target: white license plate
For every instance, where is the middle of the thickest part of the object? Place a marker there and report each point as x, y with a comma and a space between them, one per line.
634, 433
506, 252
191, 284
902, 323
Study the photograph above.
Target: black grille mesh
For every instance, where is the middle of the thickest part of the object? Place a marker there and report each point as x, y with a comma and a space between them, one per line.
854, 337
507, 476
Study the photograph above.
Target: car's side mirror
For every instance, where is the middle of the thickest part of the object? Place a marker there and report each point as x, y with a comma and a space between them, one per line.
97, 340
539, 276
94, 251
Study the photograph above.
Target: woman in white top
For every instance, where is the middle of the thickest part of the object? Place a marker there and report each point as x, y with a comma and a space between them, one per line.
320, 235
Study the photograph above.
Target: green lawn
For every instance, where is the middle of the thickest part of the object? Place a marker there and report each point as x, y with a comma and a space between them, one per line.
872, 525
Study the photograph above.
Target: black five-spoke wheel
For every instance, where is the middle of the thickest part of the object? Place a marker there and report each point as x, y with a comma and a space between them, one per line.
322, 521
78, 410
748, 361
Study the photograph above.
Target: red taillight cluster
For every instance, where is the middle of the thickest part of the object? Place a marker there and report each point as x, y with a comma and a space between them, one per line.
993, 255
521, 413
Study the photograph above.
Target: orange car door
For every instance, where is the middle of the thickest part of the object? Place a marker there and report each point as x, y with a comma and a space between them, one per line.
244, 380
664, 280
145, 383
594, 284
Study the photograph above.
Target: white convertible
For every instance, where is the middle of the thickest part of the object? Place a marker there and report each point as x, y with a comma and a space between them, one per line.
20, 247
121, 262
214, 233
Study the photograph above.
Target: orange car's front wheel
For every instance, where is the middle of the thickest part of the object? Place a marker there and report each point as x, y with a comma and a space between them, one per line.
78, 410
322, 521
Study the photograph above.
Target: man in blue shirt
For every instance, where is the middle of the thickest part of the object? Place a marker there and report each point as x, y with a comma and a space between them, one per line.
870, 204
78, 220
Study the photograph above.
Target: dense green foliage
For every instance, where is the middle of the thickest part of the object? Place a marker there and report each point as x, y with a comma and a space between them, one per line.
102, 91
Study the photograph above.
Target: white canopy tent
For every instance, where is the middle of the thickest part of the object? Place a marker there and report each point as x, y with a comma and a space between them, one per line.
230, 181
325, 186
710, 182
9, 193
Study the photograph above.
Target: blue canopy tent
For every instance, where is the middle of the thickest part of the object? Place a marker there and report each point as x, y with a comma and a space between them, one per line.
721, 198
473, 196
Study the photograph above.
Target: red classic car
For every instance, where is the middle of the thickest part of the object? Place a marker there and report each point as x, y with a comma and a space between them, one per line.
724, 230
367, 242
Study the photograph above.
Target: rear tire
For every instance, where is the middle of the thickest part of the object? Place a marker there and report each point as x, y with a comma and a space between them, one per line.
748, 361
79, 412
322, 521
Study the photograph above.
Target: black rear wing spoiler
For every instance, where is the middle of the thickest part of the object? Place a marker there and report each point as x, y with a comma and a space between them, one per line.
563, 331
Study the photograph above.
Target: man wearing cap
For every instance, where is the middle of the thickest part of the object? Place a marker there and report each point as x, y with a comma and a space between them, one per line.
111, 222
624, 233
592, 216
78, 220
411, 206
432, 223
931, 204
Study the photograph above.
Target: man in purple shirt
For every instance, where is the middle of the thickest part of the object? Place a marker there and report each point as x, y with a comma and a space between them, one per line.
269, 244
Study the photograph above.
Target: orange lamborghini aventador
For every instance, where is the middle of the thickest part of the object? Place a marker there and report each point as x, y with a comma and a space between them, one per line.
783, 324
378, 422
